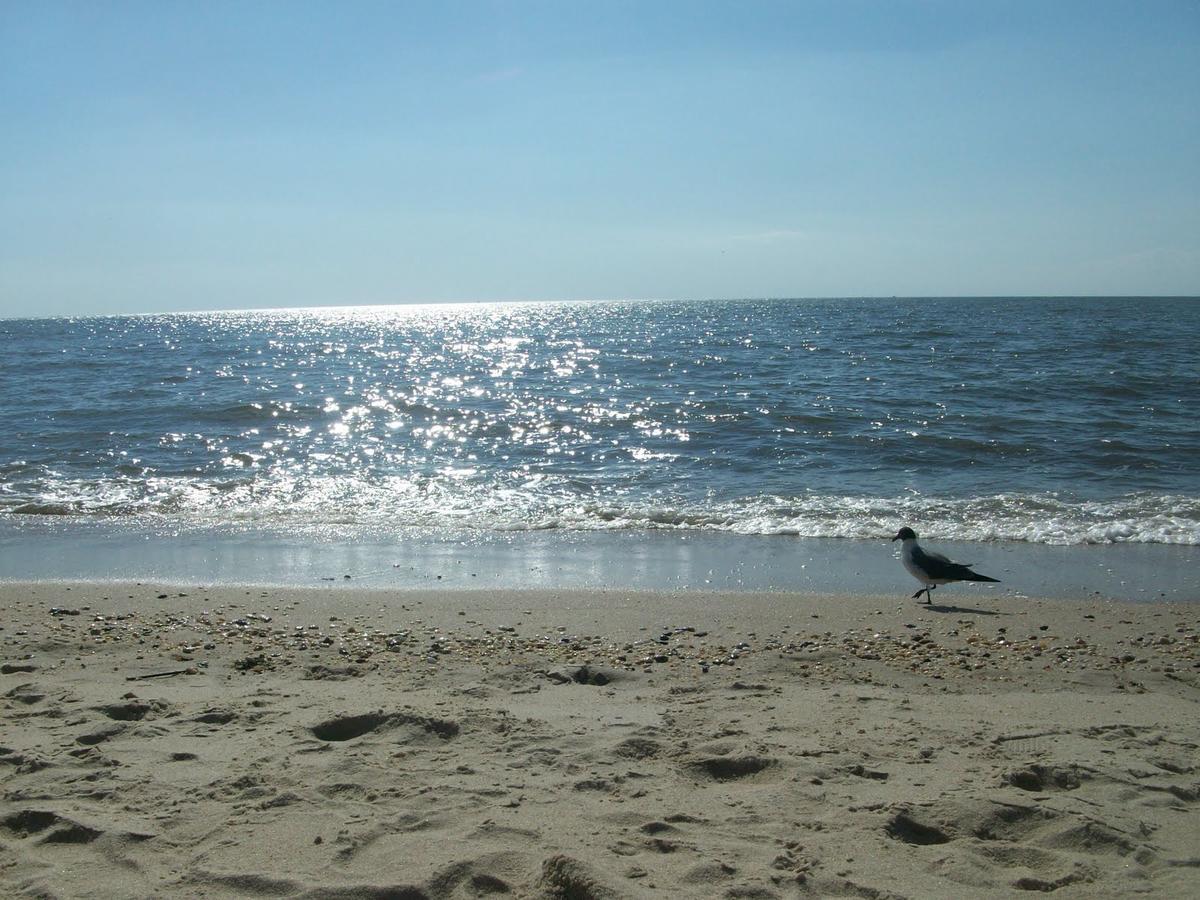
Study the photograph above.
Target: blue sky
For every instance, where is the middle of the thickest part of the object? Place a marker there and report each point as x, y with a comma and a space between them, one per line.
181, 155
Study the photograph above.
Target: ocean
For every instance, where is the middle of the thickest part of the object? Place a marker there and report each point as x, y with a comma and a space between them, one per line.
1048, 421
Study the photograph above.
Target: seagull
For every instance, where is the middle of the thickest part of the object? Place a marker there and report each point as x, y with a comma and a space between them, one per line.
929, 568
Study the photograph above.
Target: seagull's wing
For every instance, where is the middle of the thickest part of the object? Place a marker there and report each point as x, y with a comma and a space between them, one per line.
936, 565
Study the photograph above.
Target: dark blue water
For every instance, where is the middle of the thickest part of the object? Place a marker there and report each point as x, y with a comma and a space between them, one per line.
1046, 420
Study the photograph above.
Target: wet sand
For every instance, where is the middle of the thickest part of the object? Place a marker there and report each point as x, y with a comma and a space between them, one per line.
66, 548
239, 741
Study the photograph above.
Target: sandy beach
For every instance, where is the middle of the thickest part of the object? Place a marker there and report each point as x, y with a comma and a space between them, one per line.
247, 741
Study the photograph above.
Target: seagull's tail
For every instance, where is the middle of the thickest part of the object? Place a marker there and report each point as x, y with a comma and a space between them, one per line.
975, 576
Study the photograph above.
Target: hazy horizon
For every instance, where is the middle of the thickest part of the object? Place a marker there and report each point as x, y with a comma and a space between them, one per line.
417, 305
171, 157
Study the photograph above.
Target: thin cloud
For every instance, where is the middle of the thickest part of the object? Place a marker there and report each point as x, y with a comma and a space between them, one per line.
772, 235
497, 75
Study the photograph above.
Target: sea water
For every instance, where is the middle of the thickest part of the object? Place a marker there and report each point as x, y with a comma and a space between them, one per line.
1048, 421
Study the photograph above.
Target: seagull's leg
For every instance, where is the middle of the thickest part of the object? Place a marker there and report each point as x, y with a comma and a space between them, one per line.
929, 594
918, 593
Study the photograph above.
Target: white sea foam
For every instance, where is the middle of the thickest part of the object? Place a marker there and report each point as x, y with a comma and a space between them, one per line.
544, 504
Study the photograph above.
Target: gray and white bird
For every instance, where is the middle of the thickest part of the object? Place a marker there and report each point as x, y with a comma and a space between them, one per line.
931, 569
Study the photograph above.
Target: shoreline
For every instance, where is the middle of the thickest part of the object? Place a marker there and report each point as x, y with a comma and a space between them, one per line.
602, 743
417, 559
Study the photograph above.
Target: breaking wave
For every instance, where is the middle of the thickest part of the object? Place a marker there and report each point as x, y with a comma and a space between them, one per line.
475, 504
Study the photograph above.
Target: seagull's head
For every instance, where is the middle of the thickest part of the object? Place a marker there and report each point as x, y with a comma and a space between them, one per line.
905, 534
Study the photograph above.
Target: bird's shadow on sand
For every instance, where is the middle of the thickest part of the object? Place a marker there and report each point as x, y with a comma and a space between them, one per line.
970, 610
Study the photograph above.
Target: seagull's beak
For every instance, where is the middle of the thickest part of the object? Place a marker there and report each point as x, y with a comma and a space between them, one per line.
896, 538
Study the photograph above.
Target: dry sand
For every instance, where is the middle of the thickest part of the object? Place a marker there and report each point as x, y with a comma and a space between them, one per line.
259, 742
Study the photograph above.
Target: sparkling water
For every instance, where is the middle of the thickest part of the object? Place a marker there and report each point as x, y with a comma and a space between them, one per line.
1058, 421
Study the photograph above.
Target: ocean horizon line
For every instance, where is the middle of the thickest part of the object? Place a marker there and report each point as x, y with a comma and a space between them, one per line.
555, 301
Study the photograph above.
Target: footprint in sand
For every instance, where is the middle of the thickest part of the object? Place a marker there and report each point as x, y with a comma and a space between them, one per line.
26, 694
1042, 849
100, 734
347, 728
49, 827
638, 748
729, 768
1040, 778
135, 710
